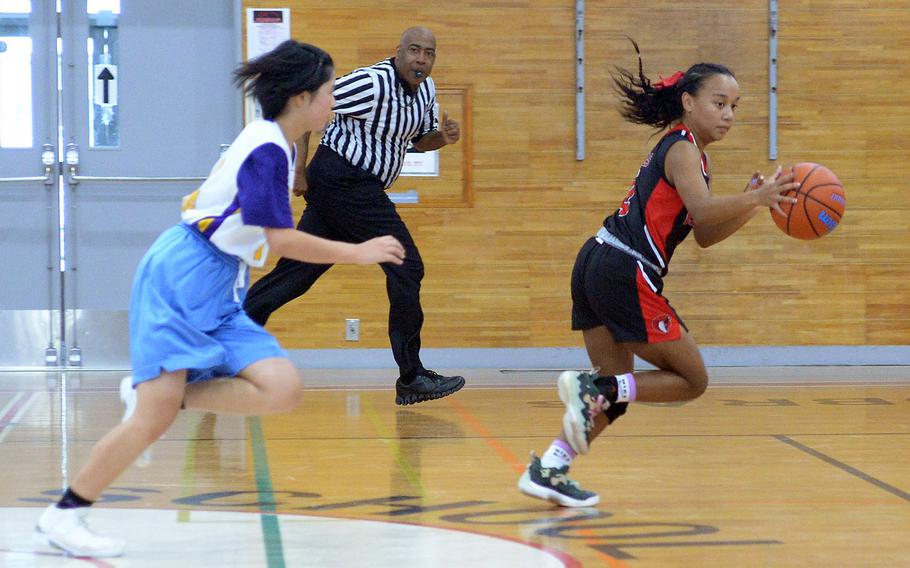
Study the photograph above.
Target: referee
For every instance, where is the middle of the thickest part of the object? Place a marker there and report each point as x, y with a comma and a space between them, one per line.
379, 111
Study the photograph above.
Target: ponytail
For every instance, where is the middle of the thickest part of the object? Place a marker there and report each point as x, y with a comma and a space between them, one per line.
659, 104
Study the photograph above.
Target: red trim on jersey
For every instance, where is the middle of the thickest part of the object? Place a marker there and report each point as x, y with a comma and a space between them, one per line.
661, 323
661, 211
665, 205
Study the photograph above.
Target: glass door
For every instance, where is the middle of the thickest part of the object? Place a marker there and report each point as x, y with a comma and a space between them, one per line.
29, 185
131, 103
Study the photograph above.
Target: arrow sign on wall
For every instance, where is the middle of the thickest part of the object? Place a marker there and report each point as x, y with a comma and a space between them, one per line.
105, 85
106, 76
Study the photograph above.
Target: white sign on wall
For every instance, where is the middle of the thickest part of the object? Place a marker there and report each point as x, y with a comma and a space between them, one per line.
266, 28
105, 87
421, 163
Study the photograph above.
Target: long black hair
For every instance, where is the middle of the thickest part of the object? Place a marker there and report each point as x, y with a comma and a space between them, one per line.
659, 105
286, 71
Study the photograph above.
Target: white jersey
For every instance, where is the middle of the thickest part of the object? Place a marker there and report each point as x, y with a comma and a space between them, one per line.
247, 189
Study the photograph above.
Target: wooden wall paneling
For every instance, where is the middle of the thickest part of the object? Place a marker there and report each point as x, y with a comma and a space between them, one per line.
497, 269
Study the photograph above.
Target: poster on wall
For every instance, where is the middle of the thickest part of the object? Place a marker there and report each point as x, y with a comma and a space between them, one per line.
266, 28
418, 163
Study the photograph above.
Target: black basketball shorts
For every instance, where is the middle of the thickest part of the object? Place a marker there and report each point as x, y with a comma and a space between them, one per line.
614, 289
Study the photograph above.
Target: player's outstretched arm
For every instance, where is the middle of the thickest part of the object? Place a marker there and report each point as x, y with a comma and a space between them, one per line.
291, 243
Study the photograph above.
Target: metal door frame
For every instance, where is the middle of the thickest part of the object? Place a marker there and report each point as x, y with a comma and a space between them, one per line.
63, 321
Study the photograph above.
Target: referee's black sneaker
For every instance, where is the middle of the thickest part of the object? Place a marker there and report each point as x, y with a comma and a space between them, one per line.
426, 385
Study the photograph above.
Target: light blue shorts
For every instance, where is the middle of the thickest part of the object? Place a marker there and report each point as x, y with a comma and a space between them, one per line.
184, 315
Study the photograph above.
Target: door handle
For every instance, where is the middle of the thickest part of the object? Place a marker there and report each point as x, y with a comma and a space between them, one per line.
48, 162
73, 177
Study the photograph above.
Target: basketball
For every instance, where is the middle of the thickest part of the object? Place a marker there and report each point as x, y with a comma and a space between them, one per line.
820, 203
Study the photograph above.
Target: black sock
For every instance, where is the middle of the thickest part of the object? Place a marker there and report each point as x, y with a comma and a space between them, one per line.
607, 387
71, 500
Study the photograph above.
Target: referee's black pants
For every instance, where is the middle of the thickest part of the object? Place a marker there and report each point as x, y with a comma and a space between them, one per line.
346, 203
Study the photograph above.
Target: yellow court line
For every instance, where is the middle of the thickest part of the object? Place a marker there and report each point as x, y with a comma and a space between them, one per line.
189, 471
391, 441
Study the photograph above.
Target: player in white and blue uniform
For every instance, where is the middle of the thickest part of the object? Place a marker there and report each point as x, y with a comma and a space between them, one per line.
191, 282
192, 345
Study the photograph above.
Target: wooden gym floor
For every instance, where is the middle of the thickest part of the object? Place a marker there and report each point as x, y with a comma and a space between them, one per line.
771, 467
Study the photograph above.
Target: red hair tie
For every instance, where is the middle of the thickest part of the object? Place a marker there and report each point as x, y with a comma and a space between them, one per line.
669, 81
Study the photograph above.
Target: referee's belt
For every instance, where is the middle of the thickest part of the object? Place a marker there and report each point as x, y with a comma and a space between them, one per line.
605, 237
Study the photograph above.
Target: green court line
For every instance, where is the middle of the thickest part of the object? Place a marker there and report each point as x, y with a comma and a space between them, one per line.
271, 531
404, 465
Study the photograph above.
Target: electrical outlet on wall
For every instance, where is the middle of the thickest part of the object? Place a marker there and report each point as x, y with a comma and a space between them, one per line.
352, 329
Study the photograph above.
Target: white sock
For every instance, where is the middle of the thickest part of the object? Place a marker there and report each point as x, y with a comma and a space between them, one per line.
626, 389
559, 454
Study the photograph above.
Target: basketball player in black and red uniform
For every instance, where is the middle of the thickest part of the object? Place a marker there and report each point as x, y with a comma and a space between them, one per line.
617, 286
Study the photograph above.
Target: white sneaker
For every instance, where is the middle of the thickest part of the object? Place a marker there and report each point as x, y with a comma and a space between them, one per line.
67, 530
127, 397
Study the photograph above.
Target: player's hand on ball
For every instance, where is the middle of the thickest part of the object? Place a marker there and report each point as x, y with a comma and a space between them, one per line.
769, 193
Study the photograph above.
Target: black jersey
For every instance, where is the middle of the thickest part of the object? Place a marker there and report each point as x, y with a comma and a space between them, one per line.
652, 218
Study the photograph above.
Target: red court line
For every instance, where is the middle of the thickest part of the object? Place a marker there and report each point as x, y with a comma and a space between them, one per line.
19, 400
94, 561
506, 455
13, 412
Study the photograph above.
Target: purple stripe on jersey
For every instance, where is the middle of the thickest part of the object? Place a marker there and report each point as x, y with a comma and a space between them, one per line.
263, 193
217, 221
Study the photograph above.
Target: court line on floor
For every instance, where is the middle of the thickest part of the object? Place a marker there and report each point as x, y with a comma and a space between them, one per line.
715, 384
386, 436
844, 467
519, 467
8, 407
64, 557
189, 471
13, 411
271, 531
480, 436
491, 440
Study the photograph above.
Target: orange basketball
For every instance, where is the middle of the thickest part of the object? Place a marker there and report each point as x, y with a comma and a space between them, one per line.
820, 203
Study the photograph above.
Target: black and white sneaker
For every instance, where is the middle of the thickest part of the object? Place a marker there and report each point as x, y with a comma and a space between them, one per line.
583, 403
552, 484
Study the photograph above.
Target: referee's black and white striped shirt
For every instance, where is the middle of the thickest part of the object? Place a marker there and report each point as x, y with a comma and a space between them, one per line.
376, 116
